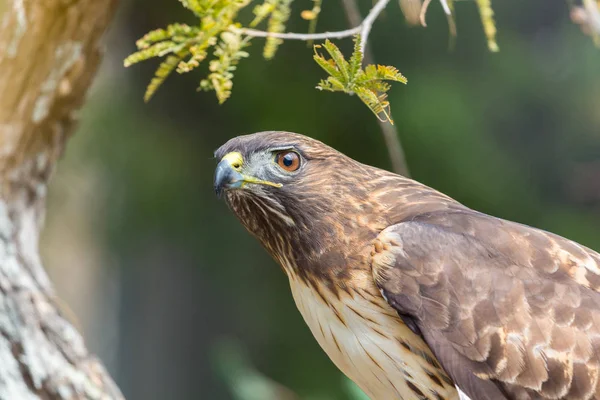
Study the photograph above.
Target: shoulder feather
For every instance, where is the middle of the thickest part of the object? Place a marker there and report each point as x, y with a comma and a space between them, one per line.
499, 303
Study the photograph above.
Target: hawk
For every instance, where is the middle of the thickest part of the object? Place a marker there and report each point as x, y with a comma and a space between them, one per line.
411, 294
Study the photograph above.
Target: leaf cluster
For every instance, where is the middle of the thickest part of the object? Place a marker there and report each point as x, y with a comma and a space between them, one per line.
369, 84
228, 53
185, 47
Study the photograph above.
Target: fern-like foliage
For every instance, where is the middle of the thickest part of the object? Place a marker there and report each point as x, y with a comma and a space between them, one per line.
218, 33
164, 70
489, 25
187, 46
277, 21
278, 12
160, 42
194, 6
228, 53
262, 11
369, 84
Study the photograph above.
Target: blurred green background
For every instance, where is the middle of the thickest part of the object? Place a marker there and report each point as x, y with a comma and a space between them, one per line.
171, 292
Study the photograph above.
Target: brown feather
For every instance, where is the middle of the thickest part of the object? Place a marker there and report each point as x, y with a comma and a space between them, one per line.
534, 328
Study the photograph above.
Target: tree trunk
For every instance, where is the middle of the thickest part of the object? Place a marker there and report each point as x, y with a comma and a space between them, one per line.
49, 53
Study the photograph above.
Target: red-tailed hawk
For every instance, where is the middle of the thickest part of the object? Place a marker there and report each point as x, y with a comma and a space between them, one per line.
410, 293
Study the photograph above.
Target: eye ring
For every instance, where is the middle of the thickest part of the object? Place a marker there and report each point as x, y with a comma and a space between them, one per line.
288, 160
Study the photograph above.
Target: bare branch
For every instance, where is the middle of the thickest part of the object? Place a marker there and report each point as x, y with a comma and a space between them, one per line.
367, 24
364, 28
446, 7
424, 12
394, 147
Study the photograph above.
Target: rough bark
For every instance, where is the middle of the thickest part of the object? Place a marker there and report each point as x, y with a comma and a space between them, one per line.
49, 53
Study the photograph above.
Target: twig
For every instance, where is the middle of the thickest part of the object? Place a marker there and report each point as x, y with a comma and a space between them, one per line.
446, 7
390, 135
363, 28
424, 12
395, 150
352, 13
367, 24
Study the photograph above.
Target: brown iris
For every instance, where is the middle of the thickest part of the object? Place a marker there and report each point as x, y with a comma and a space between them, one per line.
288, 160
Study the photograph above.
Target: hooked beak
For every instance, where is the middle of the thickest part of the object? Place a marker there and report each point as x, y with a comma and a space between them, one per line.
228, 175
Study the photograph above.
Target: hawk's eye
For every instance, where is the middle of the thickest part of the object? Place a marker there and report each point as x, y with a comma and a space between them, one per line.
288, 160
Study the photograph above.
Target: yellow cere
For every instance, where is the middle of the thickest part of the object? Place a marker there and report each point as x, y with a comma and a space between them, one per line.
235, 160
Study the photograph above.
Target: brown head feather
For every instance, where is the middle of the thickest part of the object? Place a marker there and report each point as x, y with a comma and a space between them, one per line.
336, 206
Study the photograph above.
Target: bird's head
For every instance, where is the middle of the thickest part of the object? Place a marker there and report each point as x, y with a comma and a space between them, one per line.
290, 191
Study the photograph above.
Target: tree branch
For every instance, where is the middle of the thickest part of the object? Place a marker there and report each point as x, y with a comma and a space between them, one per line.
446, 7
49, 52
367, 24
363, 28
390, 135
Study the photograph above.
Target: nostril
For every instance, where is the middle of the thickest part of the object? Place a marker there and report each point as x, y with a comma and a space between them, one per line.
236, 165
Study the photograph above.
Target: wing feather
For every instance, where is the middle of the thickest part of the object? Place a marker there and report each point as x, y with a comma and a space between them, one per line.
510, 311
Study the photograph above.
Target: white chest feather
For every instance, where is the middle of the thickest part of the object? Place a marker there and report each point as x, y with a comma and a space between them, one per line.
367, 341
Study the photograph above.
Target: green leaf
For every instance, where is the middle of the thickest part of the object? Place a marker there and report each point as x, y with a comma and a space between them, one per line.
197, 56
262, 11
378, 104
178, 41
381, 72
356, 59
228, 54
378, 86
331, 84
370, 84
338, 58
277, 21
152, 37
163, 71
181, 32
156, 50
327, 65
194, 6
